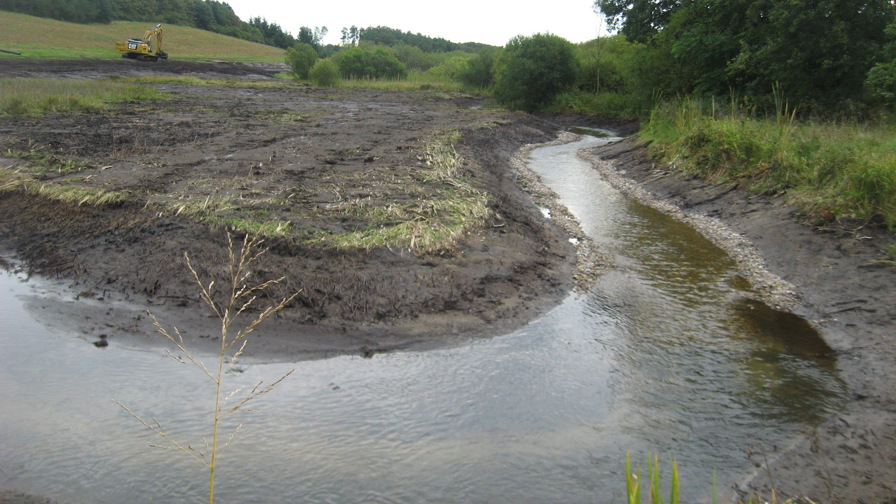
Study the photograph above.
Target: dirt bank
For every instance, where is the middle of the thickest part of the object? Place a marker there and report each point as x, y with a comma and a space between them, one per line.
851, 298
308, 156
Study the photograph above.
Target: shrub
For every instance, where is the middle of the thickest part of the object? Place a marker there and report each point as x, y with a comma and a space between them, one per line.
301, 59
882, 82
325, 73
365, 63
479, 71
534, 70
449, 69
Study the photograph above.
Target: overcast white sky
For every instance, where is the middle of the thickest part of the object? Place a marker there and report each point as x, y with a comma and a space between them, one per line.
488, 21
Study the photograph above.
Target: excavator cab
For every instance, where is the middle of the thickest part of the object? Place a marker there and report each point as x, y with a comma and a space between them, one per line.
149, 48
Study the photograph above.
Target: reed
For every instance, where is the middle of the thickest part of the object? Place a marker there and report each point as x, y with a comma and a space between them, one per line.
635, 490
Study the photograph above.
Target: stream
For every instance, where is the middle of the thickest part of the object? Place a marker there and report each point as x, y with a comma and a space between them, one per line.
668, 354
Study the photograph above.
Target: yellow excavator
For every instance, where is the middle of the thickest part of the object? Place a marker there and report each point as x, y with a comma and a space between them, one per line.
149, 48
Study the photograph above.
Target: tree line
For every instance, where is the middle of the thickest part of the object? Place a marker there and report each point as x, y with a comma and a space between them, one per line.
391, 37
819, 54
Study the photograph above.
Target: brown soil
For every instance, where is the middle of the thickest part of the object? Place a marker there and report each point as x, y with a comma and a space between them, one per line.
847, 292
298, 152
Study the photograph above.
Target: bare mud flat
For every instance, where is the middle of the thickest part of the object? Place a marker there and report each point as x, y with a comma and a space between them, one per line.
846, 291
299, 154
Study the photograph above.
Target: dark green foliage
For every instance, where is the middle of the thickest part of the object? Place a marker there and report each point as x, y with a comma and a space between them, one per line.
817, 53
638, 20
301, 58
78, 11
534, 70
605, 64
881, 83
479, 71
366, 63
325, 73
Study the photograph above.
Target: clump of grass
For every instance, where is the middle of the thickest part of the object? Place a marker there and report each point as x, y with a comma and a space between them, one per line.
41, 164
78, 195
239, 297
848, 170
228, 212
75, 194
31, 96
427, 225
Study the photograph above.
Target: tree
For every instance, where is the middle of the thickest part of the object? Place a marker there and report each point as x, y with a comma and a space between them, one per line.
351, 36
638, 20
817, 51
301, 58
534, 70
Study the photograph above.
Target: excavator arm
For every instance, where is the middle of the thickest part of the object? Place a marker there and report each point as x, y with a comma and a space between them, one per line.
149, 48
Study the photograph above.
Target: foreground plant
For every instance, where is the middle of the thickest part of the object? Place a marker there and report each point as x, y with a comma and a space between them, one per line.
634, 489
240, 297
633, 482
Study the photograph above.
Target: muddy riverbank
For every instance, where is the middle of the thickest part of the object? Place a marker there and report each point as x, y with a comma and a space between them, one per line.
842, 287
315, 157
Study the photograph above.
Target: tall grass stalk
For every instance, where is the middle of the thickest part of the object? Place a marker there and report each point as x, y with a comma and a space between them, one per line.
240, 297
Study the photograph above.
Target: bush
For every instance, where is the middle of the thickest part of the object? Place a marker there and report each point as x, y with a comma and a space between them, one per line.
325, 73
479, 71
534, 70
449, 69
882, 82
301, 58
365, 63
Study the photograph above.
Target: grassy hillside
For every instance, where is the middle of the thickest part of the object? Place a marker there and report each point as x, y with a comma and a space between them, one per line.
38, 37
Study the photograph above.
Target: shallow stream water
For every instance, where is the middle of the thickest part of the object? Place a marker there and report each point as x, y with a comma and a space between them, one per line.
667, 355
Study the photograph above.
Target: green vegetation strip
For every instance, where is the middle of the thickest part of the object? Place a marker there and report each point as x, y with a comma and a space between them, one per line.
832, 170
28, 96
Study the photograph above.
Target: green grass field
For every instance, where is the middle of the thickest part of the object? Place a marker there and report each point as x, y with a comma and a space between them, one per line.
42, 38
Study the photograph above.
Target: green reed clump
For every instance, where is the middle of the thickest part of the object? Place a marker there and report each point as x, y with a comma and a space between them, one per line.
637, 489
37, 96
847, 170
